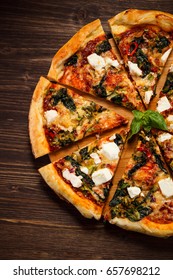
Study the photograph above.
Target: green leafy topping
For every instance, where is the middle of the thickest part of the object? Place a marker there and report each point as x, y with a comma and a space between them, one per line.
168, 87
103, 47
99, 89
84, 153
71, 60
143, 63
65, 98
118, 139
161, 43
146, 120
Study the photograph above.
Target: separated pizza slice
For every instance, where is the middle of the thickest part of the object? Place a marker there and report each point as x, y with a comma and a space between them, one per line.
165, 101
143, 199
88, 63
145, 41
84, 177
59, 116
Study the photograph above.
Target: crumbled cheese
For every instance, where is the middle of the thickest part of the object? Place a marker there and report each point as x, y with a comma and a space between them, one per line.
164, 136
133, 191
96, 61
101, 176
74, 180
166, 187
148, 95
110, 150
84, 169
134, 69
111, 62
50, 116
170, 118
165, 55
163, 104
96, 158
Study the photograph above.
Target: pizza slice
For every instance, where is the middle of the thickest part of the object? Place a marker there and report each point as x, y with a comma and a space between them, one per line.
88, 63
84, 177
143, 199
59, 116
165, 102
144, 39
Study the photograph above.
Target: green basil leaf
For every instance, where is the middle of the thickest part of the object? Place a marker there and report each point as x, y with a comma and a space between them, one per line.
135, 127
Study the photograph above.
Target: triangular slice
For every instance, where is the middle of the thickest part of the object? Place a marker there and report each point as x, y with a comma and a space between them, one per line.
84, 177
143, 199
165, 102
145, 41
88, 63
59, 116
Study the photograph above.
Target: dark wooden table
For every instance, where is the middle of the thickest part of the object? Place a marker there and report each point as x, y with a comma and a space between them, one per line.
34, 223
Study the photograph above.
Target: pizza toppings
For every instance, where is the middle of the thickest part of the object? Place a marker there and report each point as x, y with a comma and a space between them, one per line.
163, 104
166, 186
102, 176
74, 180
96, 61
110, 150
133, 191
50, 116
134, 69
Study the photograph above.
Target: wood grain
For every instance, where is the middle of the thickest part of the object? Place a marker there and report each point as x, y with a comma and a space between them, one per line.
34, 223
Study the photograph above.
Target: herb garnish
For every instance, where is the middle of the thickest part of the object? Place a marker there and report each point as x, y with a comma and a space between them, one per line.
146, 120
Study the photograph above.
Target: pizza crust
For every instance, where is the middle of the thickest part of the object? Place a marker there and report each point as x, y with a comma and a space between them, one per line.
38, 139
133, 17
85, 206
145, 226
84, 35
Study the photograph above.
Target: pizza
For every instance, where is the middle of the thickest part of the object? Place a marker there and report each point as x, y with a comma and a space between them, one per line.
145, 40
88, 63
59, 116
93, 86
84, 177
143, 199
165, 102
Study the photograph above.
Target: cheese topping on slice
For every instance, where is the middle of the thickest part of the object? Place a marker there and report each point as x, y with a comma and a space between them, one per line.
163, 104
111, 62
148, 95
164, 136
134, 69
50, 116
133, 191
74, 180
110, 150
101, 176
166, 187
165, 55
170, 118
84, 169
95, 157
96, 61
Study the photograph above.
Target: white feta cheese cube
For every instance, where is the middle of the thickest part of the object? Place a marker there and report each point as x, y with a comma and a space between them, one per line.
74, 180
50, 116
134, 69
95, 157
84, 169
166, 187
101, 176
133, 191
110, 150
163, 104
148, 95
170, 118
112, 62
165, 55
164, 136
96, 61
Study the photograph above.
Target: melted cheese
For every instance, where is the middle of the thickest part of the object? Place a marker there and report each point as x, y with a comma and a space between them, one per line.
101, 176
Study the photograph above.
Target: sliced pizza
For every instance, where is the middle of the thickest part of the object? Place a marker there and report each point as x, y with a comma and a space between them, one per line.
59, 116
88, 63
84, 177
143, 199
145, 41
165, 102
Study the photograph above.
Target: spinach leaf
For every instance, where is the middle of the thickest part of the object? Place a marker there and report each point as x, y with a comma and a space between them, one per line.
143, 62
118, 139
65, 98
99, 89
168, 86
103, 47
71, 60
141, 161
84, 153
161, 43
